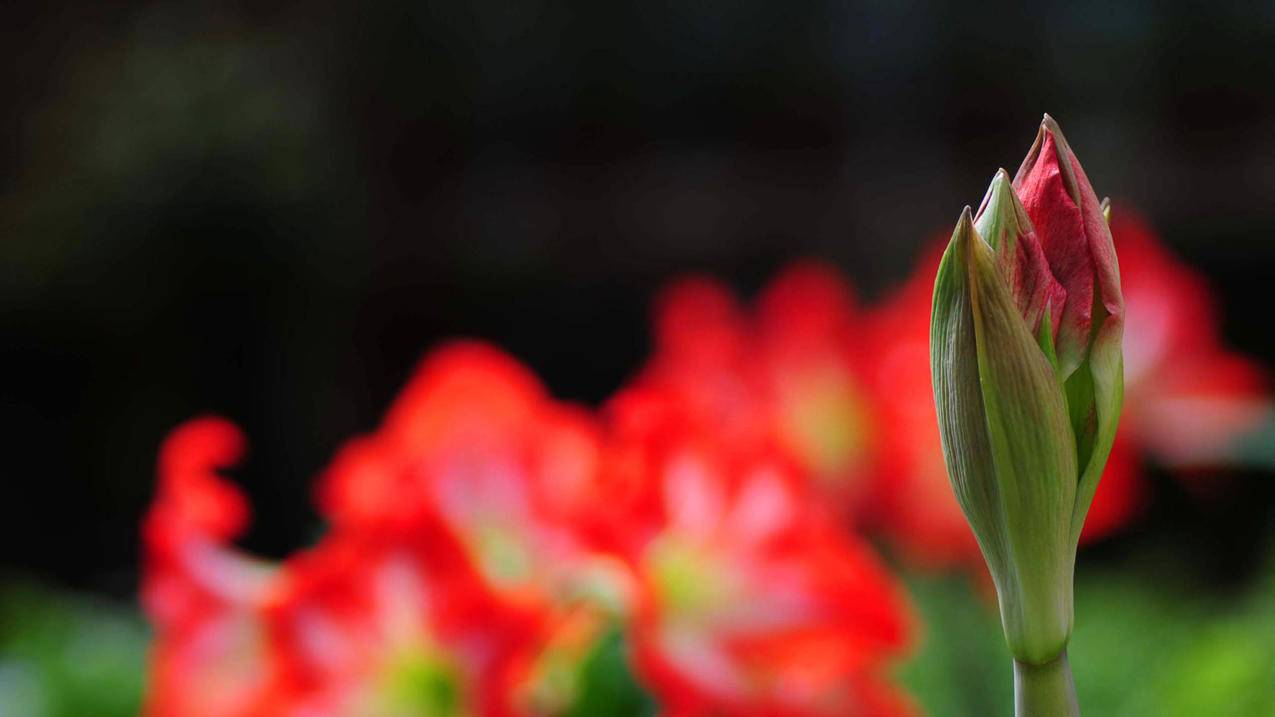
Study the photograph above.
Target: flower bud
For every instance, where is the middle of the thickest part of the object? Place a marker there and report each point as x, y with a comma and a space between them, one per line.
1028, 382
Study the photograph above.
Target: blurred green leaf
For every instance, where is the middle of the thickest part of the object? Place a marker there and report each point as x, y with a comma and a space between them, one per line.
1143, 647
962, 666
68, 656
608, 686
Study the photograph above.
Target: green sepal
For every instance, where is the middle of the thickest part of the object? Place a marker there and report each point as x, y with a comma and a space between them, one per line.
1007, 443
1033, 453
1099, 383
959, 402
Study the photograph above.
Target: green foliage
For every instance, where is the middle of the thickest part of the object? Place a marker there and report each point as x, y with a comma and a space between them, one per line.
608, 686
1143, 647
962, 666
65, 656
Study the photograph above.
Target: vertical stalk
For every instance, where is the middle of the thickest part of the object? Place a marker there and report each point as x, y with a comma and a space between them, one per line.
1046, 690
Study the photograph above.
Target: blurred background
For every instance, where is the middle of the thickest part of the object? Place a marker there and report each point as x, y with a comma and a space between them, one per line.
270, 210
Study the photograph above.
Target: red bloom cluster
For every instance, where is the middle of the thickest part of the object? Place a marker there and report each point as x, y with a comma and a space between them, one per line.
790, 375
418, 601
485, 538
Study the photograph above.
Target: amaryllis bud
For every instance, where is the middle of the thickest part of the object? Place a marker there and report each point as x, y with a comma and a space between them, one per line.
1028, 378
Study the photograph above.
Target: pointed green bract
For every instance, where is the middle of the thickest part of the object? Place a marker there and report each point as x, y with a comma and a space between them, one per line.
1033, 455
1004, 427
959, 401
1103, 371
1103, 376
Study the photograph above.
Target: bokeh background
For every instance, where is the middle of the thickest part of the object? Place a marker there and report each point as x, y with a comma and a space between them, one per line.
270, 210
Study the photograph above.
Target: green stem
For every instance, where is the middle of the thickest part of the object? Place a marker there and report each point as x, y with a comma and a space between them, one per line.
1045, 690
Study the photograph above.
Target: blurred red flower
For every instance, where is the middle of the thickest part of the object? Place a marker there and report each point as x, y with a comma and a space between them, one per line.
365, 629
788, 374
475, 460
1188, 397
210, 657
752, 600
493, 481
452, 560
349, 627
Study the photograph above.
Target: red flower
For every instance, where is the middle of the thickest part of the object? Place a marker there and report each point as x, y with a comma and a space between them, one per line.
495, 482
210, 657
367, 629
751, 600
455, 554
786, 375
1188, 397
477, 460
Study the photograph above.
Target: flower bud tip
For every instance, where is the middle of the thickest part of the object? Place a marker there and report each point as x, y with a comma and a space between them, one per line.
964, 226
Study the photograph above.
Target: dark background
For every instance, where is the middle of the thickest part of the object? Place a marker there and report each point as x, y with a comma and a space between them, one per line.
269, 211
